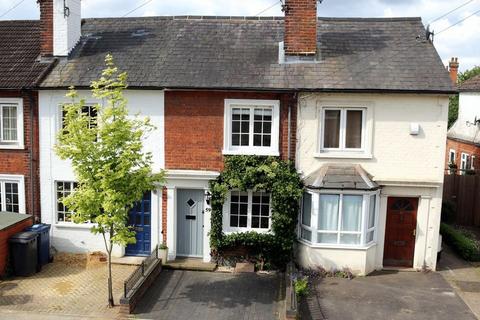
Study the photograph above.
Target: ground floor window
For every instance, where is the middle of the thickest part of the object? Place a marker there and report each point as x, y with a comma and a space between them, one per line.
247, 210
64, 188
339, 218
12, 197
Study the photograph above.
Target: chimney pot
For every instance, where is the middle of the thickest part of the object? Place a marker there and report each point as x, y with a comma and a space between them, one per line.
453, 69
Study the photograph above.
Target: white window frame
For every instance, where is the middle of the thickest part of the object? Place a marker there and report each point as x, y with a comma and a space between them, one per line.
365, 152
364, 230
273, 150
454, 153
56, 201
463, 162
472, 162
20, 180
343, 129
226, 215
19, 143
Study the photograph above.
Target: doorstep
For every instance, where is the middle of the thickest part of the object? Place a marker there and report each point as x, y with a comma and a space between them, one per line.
399, 269
190, 264
128, 260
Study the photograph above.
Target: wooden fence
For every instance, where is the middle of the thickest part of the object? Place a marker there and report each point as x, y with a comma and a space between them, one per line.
464, 191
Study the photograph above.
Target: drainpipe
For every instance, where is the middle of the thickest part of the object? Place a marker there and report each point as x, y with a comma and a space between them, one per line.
30, 155
289, 155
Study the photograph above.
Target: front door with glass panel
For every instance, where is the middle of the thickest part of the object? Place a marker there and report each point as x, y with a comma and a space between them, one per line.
140, 220
400, 232
190, 222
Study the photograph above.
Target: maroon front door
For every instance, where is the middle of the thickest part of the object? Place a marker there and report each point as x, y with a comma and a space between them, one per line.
400, 232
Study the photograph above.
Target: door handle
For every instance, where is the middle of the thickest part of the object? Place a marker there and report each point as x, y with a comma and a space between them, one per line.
414, 232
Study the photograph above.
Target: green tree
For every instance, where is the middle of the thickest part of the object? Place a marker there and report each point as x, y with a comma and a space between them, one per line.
453, 103
110, 166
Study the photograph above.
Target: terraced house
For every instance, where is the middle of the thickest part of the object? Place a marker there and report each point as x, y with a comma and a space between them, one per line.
21, 70
360, 105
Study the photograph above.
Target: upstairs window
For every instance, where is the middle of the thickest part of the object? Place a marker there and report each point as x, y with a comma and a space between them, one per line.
452, 156
343, 129
88, 110
11, 124
465, 163
251, 127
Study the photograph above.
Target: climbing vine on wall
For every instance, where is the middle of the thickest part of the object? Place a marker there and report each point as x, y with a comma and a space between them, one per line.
269, 174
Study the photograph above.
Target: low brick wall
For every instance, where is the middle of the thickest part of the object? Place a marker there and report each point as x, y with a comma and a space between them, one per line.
128, 303
4, 236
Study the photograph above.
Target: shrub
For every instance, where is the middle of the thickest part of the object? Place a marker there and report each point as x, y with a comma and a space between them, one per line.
449, 211
301, 286
464, 243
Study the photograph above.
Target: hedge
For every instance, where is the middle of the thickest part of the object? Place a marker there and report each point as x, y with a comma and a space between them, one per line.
463, 243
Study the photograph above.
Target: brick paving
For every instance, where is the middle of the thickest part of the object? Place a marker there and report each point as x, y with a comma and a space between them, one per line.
68, 289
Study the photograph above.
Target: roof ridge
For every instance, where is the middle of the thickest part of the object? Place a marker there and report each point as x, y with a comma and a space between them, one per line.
257, 18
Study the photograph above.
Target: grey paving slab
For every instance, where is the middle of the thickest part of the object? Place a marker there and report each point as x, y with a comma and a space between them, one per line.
386, 295
180, 294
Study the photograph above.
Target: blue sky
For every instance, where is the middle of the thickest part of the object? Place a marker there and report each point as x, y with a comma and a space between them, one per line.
462, 40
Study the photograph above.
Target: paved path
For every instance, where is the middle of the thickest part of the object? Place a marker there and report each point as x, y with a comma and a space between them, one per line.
65, 290
463, 277
386, 295
188, 295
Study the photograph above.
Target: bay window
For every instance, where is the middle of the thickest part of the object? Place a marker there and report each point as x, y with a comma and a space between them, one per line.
247, 211
251, 127
343, 219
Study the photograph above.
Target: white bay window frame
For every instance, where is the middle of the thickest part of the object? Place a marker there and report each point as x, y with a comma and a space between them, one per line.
226, 214
273, 149
364, 228
19, 142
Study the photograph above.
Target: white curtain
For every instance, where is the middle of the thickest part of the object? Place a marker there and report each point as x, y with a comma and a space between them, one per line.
328, 212
352, 213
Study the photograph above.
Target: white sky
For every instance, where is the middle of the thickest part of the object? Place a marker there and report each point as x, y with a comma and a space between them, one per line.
462, 41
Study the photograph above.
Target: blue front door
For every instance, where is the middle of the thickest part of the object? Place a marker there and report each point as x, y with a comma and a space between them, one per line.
140, 219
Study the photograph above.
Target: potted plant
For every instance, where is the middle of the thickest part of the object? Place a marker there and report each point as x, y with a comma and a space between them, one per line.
452, 167
163, 253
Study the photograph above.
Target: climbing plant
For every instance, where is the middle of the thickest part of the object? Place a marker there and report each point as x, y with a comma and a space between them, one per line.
269, 174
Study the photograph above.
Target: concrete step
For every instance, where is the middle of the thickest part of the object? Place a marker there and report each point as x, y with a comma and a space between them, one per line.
190, 264
131, 261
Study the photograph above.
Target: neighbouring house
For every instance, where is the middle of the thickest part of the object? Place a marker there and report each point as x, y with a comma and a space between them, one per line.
21, 69
463, 138
359, 104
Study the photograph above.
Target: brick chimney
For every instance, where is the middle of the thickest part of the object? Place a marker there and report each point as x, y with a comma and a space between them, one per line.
60, 26
300, 27
453, 69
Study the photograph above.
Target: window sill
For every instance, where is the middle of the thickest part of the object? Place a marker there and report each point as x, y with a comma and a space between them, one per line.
12, 147
336, 246
253, 152
241, 230
343, 155
71, 225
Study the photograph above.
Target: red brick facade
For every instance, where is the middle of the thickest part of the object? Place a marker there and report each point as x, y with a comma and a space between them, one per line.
300, 27
46, 27
194, 127
18, 161
462, 147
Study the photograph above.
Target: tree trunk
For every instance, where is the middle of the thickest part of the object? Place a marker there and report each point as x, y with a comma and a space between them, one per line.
109, 247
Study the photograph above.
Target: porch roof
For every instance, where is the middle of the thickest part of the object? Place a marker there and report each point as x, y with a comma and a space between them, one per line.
340, 176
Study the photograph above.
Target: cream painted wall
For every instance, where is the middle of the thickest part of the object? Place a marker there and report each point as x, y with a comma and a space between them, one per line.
397, 155
77, 238
404, 165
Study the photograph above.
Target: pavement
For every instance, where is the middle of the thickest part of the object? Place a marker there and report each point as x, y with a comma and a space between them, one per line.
63, 290
186, 295
385, 295
463, 277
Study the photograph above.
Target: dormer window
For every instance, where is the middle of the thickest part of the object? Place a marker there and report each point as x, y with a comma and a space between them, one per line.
251, 127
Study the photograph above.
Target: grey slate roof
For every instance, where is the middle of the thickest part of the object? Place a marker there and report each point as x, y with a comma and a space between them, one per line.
340, 176
19, 50
471, 85
242, 53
